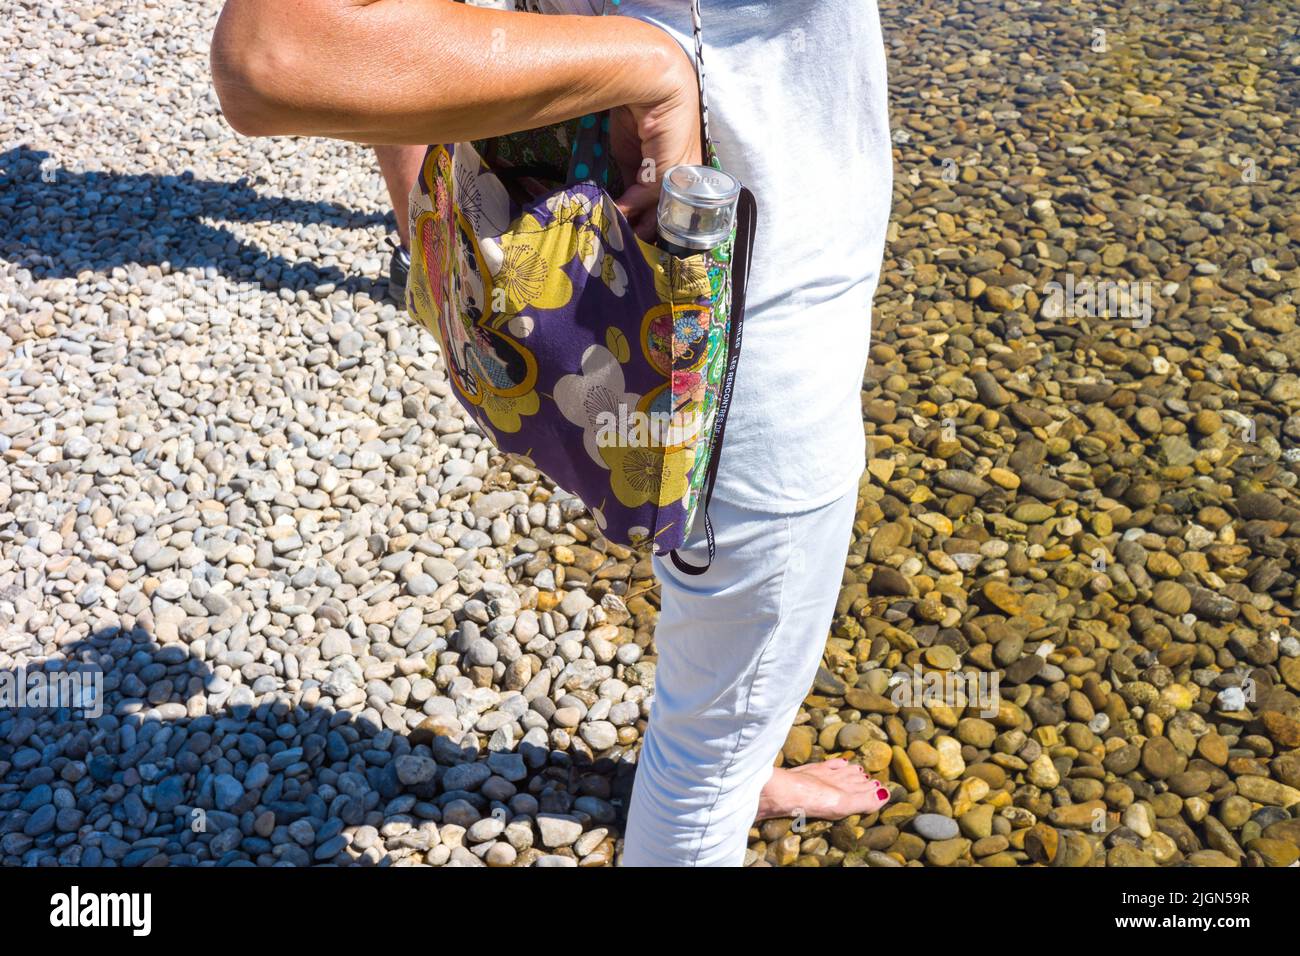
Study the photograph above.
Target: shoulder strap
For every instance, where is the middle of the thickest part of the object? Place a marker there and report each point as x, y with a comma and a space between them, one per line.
706, 140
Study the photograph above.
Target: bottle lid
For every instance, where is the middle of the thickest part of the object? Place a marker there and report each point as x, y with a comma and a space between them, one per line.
697, 205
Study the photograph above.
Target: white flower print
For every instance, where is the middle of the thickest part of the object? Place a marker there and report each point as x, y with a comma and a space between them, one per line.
481, 197
587, 399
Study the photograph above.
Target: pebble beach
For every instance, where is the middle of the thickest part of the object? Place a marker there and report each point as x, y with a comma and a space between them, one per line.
335, 627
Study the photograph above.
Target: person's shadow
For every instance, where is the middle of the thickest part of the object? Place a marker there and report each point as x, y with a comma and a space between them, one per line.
176, 770
57, 222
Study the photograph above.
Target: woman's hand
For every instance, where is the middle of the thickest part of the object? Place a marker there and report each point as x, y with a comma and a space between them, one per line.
647, 139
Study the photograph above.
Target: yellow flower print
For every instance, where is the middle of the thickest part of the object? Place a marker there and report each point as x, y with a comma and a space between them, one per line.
529, 268
530, 272
504, 411
616, 342
682, 280
523, 273
642, 474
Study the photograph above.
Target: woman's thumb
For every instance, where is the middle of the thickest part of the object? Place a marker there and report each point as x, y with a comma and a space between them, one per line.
638, 204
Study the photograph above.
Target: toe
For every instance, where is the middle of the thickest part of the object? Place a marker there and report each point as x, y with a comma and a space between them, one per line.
868, 794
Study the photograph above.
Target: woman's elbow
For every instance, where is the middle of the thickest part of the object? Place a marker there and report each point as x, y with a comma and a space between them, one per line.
253, 80
244, 109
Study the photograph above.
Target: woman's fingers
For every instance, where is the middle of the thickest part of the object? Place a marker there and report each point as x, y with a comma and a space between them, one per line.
639, 204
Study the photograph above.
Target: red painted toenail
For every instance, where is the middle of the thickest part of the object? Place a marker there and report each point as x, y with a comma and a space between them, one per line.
882, 793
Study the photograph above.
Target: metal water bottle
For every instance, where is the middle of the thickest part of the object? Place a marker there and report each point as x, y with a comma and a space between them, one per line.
697, 206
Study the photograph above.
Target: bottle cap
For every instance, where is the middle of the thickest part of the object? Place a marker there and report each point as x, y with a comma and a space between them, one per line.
697, 205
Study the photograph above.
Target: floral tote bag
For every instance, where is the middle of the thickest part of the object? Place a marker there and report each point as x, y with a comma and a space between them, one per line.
601, 359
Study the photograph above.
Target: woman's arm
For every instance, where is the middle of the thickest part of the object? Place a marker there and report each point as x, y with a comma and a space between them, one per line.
433, 71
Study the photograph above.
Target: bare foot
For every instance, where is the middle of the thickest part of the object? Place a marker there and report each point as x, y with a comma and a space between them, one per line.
828, 790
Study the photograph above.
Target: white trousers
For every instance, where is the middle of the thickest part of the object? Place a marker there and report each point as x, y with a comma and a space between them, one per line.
738, 647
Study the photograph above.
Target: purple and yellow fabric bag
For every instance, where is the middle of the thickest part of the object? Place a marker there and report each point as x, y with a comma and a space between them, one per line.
573, 344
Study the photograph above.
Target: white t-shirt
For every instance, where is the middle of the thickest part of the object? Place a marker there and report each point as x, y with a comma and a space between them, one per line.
798, 112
